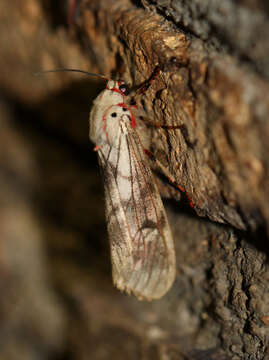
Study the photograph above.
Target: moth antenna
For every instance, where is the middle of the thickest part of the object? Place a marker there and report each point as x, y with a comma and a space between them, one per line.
70, 70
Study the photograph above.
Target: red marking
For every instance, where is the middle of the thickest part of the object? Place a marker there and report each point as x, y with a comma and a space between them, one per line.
115, 90
104, 120
184, 192
97, 147
133, 121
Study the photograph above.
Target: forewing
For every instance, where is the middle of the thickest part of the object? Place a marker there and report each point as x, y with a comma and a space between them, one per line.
142, 250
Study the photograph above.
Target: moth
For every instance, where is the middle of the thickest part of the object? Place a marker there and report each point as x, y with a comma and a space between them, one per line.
141, 243
142, 249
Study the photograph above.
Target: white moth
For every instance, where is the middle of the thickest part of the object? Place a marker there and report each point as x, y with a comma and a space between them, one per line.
142, 249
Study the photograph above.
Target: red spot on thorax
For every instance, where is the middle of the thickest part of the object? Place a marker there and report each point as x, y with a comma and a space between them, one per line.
133, 121
97, 147
115, 90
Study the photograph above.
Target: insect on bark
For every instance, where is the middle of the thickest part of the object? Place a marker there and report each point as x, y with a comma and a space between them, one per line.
142, 249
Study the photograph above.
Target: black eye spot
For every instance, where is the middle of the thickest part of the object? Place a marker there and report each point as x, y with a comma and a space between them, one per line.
124, 109
124, 89
114, 114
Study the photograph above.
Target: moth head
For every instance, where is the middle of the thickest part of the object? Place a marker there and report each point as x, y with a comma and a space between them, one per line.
118, 86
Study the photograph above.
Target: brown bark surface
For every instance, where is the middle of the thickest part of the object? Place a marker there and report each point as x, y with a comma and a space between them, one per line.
57, 298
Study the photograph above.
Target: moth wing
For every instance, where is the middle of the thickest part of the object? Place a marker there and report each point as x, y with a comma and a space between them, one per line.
142, 249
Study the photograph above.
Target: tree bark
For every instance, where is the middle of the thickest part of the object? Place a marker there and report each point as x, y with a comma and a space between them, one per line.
55, 268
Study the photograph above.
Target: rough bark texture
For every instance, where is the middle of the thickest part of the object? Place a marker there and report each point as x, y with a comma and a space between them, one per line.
57, 296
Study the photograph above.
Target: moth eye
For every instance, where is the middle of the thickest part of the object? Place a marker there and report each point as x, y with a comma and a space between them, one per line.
114, 114
124, 89
124, 109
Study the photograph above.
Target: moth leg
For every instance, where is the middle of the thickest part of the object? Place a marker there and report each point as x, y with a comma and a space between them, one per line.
161, 126
182, 128
146, 84
142, 88
167, 174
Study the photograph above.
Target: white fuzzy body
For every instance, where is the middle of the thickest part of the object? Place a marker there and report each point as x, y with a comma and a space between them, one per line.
142, 249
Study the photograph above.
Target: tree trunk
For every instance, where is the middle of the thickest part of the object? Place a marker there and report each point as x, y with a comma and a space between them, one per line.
58, 300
